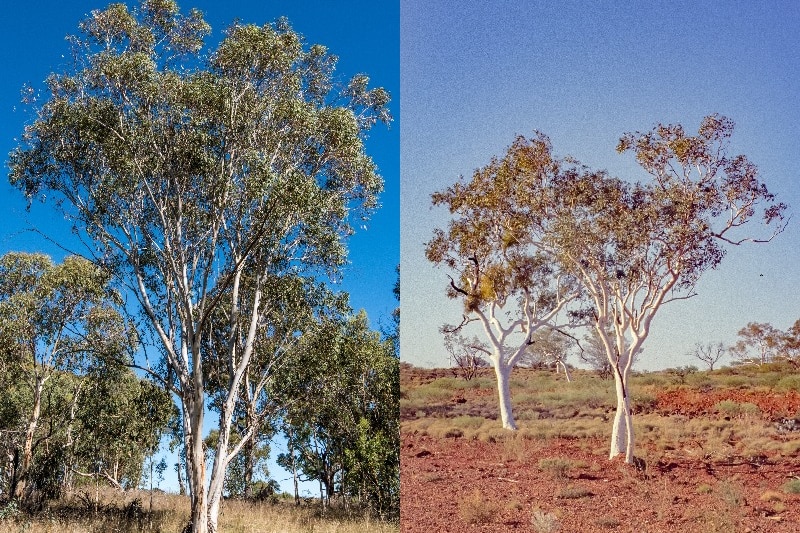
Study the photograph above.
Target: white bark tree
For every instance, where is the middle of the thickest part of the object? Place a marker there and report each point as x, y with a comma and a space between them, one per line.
185, 174
509, 286
637, 247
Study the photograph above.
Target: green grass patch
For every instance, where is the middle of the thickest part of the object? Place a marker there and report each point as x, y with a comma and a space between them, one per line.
792, 486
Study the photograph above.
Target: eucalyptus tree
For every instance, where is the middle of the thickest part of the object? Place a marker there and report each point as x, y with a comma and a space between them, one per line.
344, 432
636, 246
119, 420
53, 319
549, 347
184, 170
758, 343
295, 306
502, 272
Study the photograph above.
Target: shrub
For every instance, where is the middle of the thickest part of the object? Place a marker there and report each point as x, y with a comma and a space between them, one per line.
704, 489
792, 486
791, 382
731, 495
474, 509
544, 522
607, 522
468, 422
558, 467
733, 409
574, 493
453, 433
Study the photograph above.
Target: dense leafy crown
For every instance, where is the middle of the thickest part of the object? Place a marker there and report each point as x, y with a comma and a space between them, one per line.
250, 154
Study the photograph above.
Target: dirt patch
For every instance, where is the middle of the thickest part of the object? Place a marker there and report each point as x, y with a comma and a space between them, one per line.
457, 485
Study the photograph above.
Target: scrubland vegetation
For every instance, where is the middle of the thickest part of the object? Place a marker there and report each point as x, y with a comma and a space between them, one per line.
717, 450
710, 415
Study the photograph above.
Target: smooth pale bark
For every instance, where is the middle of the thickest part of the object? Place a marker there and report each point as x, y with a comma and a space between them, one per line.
196, 461
622, 441
503, 373
563, 365
27, 450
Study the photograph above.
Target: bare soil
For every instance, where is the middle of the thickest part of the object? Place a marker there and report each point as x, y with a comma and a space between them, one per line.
455, 485
497, 482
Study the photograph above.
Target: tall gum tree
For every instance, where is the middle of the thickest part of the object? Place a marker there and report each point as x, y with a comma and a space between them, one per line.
184, 170
504, 276
637, 246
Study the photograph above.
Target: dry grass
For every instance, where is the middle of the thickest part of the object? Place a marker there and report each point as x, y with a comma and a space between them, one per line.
475, 509
130, 513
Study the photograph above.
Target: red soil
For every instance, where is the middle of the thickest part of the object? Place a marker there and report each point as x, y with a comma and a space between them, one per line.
441, 476
773, 405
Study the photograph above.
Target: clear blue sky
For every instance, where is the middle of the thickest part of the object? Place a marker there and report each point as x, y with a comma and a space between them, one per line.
365, 36
475, 74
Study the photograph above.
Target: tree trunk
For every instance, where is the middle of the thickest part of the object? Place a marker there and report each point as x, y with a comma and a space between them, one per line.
70, 442
27, 449
249, 456
249, 466
196, 461
221, 460
294, 470
503, 372
181, 486
622, 441
566, 370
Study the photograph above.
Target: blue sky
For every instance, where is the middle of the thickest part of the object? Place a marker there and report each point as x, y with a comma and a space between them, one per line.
365, 36
476, 74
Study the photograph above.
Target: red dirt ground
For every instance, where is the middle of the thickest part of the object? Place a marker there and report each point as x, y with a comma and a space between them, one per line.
441, 476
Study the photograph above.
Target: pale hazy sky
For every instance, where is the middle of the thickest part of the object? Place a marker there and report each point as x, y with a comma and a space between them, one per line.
476, 74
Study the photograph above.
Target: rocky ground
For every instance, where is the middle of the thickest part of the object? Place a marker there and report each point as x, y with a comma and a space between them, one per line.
455, 485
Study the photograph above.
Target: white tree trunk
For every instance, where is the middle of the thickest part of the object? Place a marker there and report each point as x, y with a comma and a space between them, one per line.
566, 370
196, 461
27, 449
622, 431
218, 469
503, 373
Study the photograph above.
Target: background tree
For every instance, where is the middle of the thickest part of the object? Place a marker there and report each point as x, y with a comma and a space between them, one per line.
296, 303
548, 348
759, 343
185, 169
709, 353
344, 432
593, 353
119, 423
467, 356
638, 246
53, 320
508, 285
791, 344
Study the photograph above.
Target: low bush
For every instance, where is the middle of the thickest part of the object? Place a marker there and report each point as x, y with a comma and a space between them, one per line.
792, 486
475, 509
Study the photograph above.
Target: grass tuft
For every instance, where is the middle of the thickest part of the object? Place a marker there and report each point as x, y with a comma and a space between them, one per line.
475, 509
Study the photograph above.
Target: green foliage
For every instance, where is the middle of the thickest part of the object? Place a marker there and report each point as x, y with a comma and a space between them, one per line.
344, 431
62, 339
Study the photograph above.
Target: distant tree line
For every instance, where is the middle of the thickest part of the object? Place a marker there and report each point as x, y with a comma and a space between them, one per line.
74, 413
